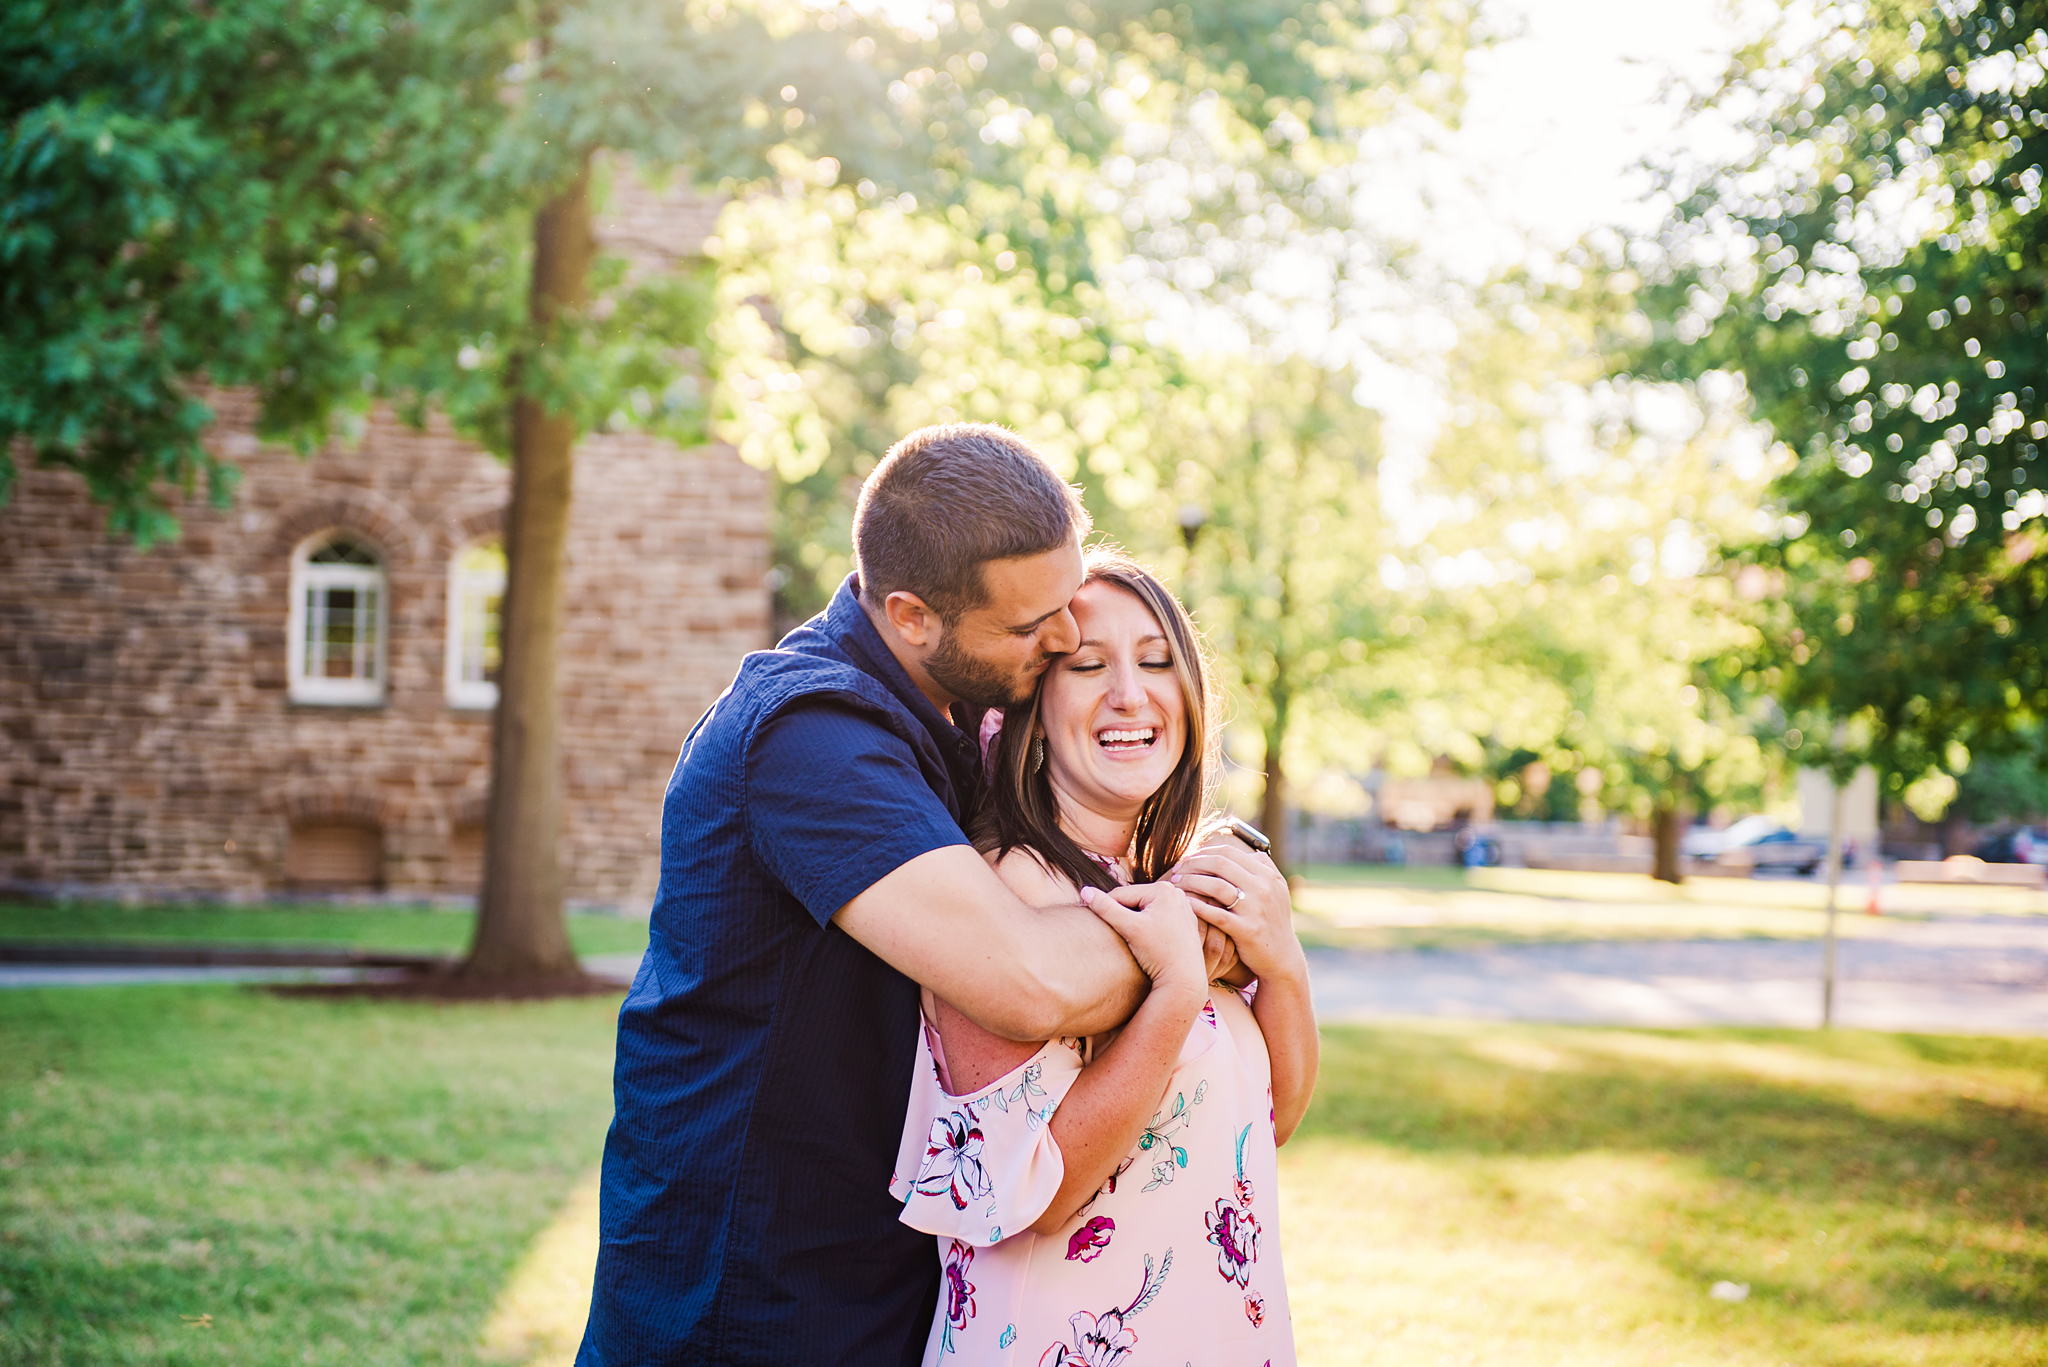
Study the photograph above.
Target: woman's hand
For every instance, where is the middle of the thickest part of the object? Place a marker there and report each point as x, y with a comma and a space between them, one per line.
1241, 893
1160, 927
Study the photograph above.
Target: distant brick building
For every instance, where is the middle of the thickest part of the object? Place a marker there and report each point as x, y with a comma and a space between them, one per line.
297, 694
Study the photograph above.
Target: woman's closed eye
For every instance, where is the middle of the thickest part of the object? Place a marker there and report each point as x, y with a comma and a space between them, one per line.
1097, 666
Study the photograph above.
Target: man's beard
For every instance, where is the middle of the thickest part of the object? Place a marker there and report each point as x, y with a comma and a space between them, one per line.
976, 681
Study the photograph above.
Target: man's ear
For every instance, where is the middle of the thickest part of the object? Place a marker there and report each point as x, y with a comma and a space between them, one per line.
913, 620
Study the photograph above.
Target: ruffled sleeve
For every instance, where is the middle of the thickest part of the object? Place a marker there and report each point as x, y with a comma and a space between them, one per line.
979, 1166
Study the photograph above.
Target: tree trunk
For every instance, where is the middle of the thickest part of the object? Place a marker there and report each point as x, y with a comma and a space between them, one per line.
519, 929
1273, 802
1955, 836
1665, 826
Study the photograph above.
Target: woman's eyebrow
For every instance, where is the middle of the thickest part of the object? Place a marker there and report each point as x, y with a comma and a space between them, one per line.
1142, 640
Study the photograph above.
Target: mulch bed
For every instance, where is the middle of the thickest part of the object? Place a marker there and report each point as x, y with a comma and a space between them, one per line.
386, 975
218, 956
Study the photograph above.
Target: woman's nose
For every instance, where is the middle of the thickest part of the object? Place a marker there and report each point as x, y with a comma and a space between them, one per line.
1126, 691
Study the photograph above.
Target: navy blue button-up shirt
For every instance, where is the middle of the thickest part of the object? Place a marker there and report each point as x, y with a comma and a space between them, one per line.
764, 1056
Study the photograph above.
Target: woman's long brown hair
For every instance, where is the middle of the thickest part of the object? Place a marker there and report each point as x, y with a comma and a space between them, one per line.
1020, 811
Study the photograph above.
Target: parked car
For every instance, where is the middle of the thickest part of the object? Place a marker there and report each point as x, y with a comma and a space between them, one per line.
1703, 842
1761, 842
2023, 845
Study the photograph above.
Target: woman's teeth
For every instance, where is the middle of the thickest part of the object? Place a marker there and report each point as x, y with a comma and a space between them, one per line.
1125, 740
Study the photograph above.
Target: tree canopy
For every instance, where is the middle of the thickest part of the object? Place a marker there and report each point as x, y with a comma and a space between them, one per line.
1874, 268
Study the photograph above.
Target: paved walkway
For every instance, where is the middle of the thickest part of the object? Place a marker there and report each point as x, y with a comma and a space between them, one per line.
1960, 974
1971, 975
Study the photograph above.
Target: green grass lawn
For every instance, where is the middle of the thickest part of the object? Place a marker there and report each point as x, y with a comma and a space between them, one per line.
356, 1183
1412, 907
344, 1183
418, 929
1528, 1196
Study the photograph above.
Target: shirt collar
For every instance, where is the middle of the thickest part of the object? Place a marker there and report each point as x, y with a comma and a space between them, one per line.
848, 623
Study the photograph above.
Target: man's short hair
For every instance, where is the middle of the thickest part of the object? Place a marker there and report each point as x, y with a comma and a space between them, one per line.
948, 498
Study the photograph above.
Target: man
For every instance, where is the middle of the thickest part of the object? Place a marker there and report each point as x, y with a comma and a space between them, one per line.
814, 871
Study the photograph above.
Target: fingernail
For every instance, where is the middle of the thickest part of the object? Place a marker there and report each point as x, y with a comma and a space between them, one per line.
1173, 878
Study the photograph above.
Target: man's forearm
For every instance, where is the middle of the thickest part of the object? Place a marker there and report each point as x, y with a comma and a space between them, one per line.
946, 921
1085, 972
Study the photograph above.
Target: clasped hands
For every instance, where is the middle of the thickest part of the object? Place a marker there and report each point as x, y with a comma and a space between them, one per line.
1237, 899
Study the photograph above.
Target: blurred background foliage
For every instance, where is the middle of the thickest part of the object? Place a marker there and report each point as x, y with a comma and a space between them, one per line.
1630, 527
1874, 267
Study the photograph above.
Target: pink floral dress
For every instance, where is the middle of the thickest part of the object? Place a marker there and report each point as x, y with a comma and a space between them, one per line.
1175, 1261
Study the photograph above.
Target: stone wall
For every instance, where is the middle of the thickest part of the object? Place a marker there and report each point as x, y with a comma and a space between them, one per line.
150, 748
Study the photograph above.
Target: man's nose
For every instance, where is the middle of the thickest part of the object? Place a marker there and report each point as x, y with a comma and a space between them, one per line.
1062, 634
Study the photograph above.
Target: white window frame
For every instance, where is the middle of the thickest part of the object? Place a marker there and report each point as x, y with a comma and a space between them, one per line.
464, 585
366, 689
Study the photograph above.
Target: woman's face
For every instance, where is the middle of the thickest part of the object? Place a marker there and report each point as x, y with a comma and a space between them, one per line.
1115, 721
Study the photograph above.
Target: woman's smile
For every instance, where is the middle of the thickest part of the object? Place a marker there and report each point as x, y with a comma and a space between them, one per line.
1125, 742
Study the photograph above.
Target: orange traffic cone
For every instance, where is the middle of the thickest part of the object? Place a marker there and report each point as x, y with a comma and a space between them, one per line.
1876, 881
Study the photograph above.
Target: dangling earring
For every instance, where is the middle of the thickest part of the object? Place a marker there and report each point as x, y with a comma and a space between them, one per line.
1037, 753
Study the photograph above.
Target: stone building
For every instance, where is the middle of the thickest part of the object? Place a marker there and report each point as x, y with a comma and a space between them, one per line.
296, 695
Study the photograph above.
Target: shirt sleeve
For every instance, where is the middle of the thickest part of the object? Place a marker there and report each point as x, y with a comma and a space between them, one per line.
836, 801
984, 1166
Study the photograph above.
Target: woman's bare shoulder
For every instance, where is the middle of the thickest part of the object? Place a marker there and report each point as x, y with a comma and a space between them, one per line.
1027, 874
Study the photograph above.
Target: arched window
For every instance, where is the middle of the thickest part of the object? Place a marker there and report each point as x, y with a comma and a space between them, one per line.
337, 621
476, 589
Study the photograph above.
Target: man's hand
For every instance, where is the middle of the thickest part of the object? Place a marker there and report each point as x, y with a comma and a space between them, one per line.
1219, 953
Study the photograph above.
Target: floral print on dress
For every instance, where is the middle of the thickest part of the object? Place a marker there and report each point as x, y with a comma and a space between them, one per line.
959, 1292
1025, 1289
1027, 1087
1105, 1340
952, 1161
1162, 1132
1233, 1229
1090, 1239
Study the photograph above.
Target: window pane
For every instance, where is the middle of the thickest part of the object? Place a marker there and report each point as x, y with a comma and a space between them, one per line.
490, 648
366, 634
480, 633
316, 628
478, 591
338, 642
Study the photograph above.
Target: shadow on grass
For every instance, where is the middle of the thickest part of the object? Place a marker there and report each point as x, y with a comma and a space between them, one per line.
1923, 1154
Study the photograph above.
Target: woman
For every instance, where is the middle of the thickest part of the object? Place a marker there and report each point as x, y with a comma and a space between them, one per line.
1113, 1200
